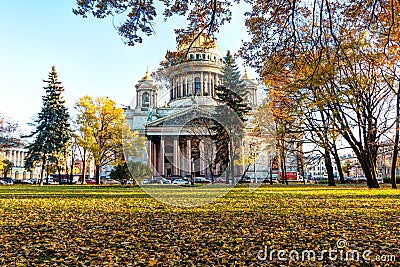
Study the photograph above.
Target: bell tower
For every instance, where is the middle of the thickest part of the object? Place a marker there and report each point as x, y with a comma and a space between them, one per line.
146, 93
250, 90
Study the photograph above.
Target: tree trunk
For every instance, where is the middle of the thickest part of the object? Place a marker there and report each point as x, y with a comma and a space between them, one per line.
228, 173
368, 166
71, 177
329, 167
47, 174
211, 168
283, 166
97, 174
84, 167
270, 170
231, 162
59, 173
42, 171
338, 164
300, 160
396, 142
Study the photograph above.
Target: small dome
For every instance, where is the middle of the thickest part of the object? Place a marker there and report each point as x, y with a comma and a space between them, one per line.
246, 75
147, 77
203, 42
249, 81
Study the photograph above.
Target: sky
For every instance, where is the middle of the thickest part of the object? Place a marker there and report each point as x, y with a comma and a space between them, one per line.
90, 57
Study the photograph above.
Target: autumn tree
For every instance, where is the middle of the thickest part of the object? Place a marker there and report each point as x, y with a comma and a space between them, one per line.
80, 143
347, 166
286, 122
103, 130
139, 169
52, 127
2, 164
343, 37
202, 16
7, 167
281, 33
265, 129
9, 137
9, 133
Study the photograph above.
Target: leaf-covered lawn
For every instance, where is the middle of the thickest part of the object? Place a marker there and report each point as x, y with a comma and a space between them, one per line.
115, 226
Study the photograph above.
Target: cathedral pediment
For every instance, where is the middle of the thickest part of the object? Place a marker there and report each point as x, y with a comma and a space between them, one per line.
183, 117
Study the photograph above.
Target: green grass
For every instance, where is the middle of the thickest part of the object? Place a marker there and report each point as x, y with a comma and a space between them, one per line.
117, 226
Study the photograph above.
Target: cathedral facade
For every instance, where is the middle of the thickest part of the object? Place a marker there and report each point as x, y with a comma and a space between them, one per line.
174, 147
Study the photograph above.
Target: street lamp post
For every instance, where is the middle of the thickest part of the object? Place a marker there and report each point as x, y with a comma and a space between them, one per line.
192, 176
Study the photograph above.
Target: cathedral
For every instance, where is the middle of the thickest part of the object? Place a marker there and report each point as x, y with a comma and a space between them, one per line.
173, 148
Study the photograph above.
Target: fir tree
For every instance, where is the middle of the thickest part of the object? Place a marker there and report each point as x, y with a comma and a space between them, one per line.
121, 173
231, 75
52, 126
232, 112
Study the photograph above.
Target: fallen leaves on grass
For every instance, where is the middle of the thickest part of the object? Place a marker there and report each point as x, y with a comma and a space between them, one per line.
124, 227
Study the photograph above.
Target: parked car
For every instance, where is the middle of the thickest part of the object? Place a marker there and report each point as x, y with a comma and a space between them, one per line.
165, 181
111, 181
90, 181
157, 180
201, 180
180, 182
28, 181
8, 181
267, 180
174, 177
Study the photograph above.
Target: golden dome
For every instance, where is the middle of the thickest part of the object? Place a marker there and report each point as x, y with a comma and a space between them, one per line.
204, 42
246, 75
147, 77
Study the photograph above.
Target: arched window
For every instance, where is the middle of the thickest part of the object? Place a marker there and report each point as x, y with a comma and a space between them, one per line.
197, 85
145, 99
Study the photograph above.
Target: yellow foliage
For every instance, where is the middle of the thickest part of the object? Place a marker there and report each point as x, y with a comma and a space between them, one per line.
104, 130
2, 164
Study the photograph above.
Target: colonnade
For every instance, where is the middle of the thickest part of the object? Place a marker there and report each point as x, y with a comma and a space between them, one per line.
16, 156
200, 83
168, 155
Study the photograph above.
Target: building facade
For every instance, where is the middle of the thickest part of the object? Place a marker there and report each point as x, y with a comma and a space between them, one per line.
174, 147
